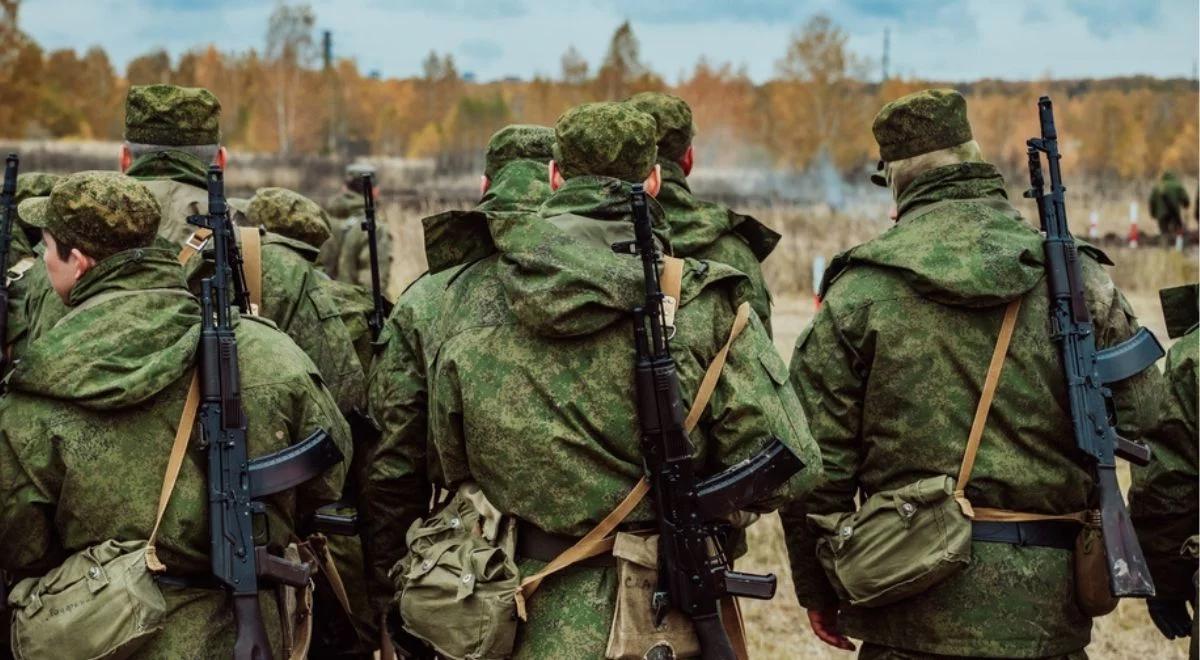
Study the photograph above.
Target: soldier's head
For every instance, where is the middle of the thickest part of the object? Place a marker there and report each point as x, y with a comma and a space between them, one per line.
290, 214
168, 118
607, 139
920, 132
513, 143
87, 218
352, 179
675, 126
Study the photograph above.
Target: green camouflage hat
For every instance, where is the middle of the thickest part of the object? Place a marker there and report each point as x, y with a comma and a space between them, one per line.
516, 142
606, 139
101, 213
674, 118
35, 184
171, 115
921, 122
289, 214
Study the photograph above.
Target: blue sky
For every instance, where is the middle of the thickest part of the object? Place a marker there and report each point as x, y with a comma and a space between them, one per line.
933, 39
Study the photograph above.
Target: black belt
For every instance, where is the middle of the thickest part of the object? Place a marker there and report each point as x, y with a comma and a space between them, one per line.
187, 581
539, 545
1042, 533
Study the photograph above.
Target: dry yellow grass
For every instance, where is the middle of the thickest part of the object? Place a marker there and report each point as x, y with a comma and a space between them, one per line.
779, 628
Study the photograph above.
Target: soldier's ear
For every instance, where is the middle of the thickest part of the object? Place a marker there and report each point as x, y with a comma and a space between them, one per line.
484, 184
222, 157
653, 183
556, 177
80, 263
126, 157
688, 160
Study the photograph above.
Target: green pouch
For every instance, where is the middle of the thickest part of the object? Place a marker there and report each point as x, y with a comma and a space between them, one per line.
898, 544
456, 587
101, 602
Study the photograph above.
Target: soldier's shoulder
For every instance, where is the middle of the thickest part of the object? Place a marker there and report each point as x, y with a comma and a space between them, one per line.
267, 355
849, 284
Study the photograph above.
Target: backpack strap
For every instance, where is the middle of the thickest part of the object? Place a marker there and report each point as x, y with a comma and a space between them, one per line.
191, 406
600, 539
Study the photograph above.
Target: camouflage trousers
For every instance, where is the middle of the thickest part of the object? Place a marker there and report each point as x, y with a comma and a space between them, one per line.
871, 651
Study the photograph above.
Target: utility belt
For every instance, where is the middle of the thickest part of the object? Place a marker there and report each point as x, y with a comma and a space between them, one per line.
539, 545
1058, 534
195, 581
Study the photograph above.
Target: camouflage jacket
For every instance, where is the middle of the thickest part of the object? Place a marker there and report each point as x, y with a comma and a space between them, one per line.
88, 424
890, 371
1163, 499
23, 262
705, 230
531, 388
1168, 199
398, 481
346, 255
177, 181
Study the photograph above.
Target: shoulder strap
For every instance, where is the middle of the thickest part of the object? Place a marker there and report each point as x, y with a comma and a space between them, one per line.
252, 260
19, 269
670, 281
599, 539
990, 382
194, 245
190, 406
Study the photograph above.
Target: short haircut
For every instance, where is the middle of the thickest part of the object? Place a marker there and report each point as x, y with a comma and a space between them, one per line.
205, 152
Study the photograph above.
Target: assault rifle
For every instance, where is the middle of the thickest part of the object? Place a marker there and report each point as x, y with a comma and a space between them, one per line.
1089, 371
236, 483
693, 513
9, 209
375, 321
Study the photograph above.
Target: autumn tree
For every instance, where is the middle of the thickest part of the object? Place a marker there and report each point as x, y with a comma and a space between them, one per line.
151, 68
290, 48
574, 67
623, 72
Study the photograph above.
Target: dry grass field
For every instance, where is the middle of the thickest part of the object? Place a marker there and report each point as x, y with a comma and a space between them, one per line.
779, 628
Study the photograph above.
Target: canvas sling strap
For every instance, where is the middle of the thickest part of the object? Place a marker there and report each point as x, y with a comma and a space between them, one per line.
178, 450
600, 539
251, 241
18, 270
990, 383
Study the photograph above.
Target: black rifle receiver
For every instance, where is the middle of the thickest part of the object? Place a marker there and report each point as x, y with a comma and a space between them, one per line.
1089, 371
375, 322
234, 481
7, 206
693, 513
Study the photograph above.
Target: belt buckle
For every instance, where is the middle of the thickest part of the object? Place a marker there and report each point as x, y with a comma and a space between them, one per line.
196, 243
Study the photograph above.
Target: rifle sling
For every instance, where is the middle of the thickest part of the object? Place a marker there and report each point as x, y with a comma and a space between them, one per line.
251, 257
990, 383
600, 538
187, 419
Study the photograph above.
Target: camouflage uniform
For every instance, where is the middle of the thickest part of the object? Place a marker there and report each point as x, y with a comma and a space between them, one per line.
890, 371
1167, 201
700, 229
397, 485
283, 212
88, 424
26, 272
346, 255
1163, 499
531, 378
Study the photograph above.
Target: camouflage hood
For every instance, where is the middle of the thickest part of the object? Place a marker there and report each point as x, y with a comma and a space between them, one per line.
958, 240
696, 224
122, 351
345, 204
559, 273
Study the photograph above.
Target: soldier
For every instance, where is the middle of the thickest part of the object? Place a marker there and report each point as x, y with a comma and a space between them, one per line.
1163, 499
531, 383
700, 229
890, 373
88, 423
346, 256
25, 270
514, 181
1167, 201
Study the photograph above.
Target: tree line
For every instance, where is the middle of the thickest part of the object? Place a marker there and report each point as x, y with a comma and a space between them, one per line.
817, 109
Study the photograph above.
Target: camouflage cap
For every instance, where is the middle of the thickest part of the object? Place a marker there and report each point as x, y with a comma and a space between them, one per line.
172, 115
35, 184
674, 118
289, 214
921, 122
101, 213
606, 139
517, 142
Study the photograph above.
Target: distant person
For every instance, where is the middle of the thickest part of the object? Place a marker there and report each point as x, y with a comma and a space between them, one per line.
346, 256
1167, 201
700, 229
1164, 495
890, 373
